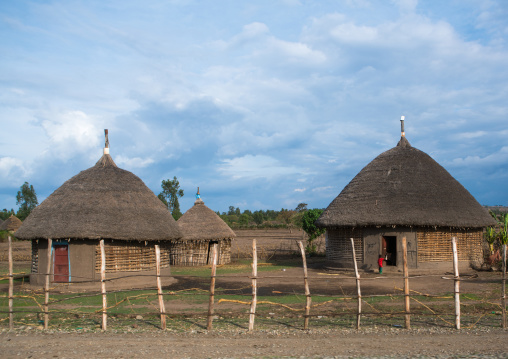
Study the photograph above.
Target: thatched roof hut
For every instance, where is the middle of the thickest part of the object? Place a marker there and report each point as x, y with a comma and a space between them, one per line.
404, 192
11, 224
102, 202
201, 227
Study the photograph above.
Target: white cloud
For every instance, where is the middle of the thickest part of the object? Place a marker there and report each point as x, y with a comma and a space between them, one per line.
70, 133
253, 167
300, 189
136, 162
11, 169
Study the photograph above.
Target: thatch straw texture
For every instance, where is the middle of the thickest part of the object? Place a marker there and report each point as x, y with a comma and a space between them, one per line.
405, 186
201, 223
11, 224
103, 201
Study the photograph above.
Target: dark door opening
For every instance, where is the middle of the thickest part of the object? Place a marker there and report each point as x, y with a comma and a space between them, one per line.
390, 250
61, 266
209, 257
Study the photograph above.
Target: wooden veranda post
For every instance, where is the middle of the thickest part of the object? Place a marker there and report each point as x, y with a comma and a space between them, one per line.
46, 285
103, 287
456, 282
11, 286
159, 286
306, 284
252, 315
503, 299
407, 320
212, 288
357, 275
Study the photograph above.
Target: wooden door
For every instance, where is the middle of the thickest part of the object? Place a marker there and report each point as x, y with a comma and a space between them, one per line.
61, 266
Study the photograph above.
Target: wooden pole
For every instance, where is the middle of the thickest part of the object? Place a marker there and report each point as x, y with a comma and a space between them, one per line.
11, 287
407, 320
306, 284
46, 286
253, 303
503, 298
357, 275
103, 287
212, 288
159, 286
457, 282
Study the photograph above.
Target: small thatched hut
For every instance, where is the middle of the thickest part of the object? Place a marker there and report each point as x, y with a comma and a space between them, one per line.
102, 202
201, 228
404, 193
11, 224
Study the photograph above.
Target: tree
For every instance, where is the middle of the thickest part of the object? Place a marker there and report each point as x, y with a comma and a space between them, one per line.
169, 196
4, 214
27, 200
302, 207
310, 228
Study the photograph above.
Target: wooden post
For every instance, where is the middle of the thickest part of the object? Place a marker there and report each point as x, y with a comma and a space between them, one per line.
159, 286
306, 284
407, 320
503, 299
357, 275
11, 287
46, 286
212, 288
103, 287
457, 282
253, 303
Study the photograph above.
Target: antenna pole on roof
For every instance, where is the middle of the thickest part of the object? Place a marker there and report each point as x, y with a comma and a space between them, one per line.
402, 133
106, 145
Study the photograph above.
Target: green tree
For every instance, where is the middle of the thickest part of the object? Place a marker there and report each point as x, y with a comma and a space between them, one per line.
311, 229
27, 200
169, 196
4, 214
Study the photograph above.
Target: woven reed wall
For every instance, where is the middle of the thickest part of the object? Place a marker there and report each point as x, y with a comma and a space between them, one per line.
436, 245
35, 256
198, 252
130, 256
338, 245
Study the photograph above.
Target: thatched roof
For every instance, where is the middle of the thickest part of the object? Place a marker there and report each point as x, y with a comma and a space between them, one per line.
404, 186
103, 201
201, 223
11, 224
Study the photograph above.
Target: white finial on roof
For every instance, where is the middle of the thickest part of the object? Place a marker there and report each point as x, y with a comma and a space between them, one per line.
106, 145
402, 133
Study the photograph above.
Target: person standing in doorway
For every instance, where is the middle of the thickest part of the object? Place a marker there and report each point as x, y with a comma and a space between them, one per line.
380, 264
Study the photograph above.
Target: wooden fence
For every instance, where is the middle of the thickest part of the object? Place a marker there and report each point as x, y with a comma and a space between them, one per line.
254, 281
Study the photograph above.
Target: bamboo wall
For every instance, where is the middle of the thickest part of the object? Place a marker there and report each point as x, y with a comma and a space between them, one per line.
35, 256
134, 256
435, 245
198, 252
130, 256
338, 245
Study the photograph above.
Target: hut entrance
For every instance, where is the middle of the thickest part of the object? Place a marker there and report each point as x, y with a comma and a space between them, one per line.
61, 267
390, 250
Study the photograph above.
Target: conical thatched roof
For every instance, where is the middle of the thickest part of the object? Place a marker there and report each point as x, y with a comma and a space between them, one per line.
200, 222
405, 186
103, 201
11, 224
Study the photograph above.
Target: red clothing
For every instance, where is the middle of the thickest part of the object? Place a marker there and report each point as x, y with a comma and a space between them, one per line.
380, 262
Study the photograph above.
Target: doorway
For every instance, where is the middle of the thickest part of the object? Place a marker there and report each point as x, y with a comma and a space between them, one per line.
61, 264
389, 252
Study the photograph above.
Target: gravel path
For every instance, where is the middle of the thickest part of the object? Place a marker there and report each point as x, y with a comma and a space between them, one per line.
368, 343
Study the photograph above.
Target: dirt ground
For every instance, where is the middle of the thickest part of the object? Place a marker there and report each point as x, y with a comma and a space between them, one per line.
371, 341
337, 344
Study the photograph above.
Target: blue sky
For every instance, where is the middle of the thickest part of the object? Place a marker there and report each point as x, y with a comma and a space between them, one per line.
262, 104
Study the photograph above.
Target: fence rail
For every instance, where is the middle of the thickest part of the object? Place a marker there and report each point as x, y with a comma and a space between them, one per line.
311, 309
